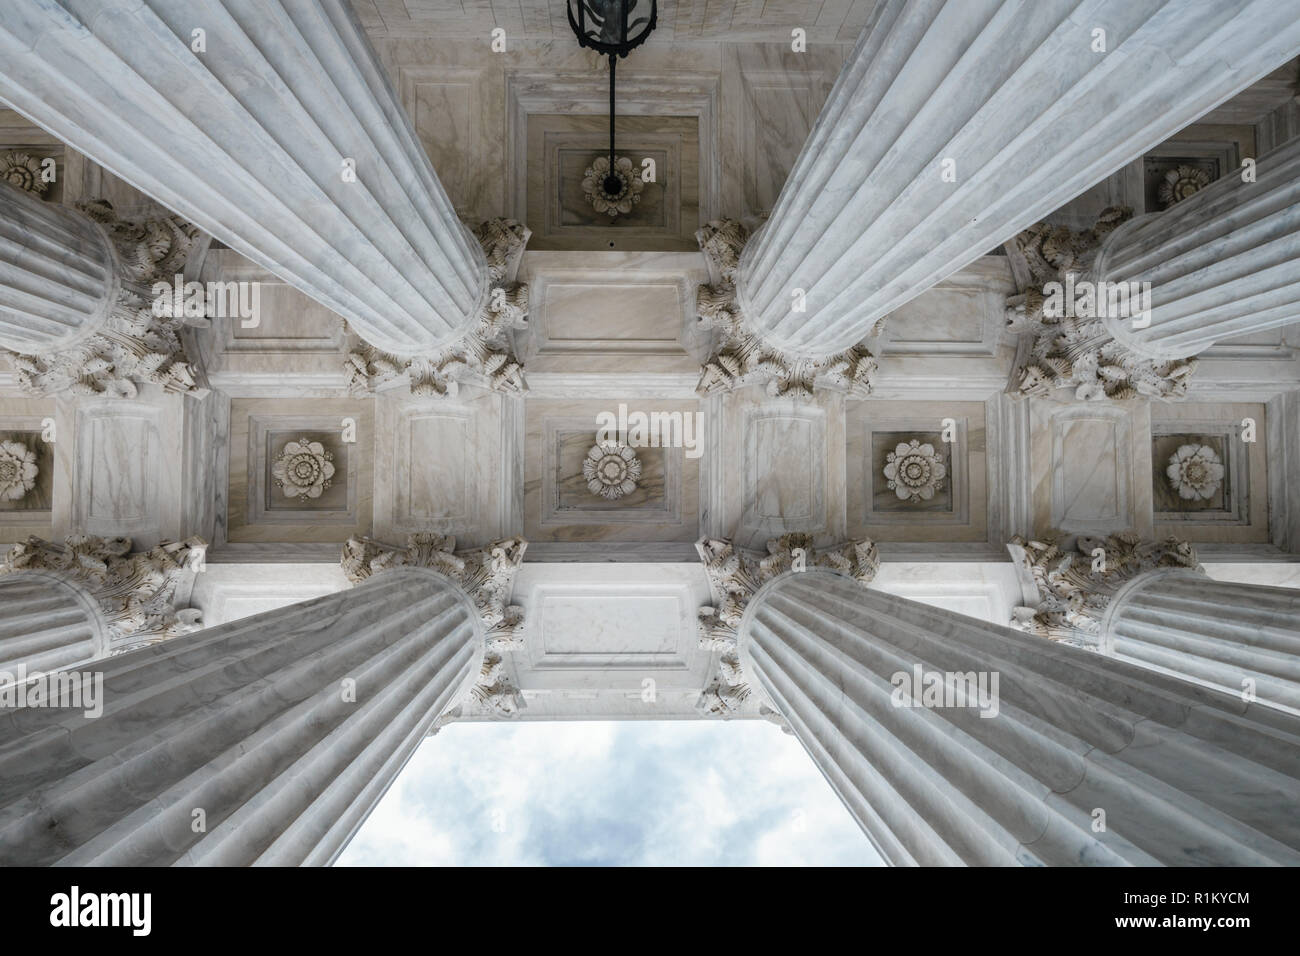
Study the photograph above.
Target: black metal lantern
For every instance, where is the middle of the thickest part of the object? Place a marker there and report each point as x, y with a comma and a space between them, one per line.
614, 28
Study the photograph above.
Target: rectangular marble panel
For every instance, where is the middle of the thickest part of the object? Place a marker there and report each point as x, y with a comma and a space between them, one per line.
118, 463
438, 488
785, 462
1090, 471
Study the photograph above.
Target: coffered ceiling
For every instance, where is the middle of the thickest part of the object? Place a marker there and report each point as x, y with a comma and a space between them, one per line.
839, 20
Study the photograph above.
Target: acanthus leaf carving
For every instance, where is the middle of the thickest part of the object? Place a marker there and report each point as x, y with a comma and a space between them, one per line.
1075, 578
735, 576
742, 357
1070, 351
136, 593
485, 574
484, 355
134, 346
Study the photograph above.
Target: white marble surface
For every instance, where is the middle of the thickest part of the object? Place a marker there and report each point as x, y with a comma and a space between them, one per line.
1193, 254
380, 245
283, 777
1071, 733
868, 220
57, 274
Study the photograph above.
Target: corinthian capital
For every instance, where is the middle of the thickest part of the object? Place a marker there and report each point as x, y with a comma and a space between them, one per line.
484, 355
1060, 348
1070, 580
133, 346
735, 576
486, 574
136, 593
741, 356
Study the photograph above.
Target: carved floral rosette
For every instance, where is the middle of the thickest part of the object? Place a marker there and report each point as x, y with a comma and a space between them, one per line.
484, 355
741, 356
134, 346
487, 575
135, 592
1072, 585
1070, 351
735, 576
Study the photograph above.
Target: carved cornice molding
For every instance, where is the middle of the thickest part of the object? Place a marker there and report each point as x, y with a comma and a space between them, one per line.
484, 355
1074, 578
735, 576
133, 346
487, 575
1072, 351
135, 592
741, 356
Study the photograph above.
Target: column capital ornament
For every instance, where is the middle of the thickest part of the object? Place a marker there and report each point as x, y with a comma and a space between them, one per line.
133, 346
487, 575
735, 576
1070, 580
484, 355
741, 356
137, 593
1060, 348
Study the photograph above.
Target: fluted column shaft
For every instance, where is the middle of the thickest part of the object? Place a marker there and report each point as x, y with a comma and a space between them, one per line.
47, 623
248, 139
278, 732
1174, 772
1029, 113
1219, 633
1222, 262
58, 274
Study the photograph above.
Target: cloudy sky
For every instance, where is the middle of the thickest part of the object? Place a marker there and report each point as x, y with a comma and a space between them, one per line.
610, 793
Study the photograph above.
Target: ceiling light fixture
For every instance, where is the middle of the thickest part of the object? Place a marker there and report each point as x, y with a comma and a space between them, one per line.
614, 28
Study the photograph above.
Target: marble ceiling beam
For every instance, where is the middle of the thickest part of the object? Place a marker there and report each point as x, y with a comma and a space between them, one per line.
1070, 758
953, 126
264, 741
270, 125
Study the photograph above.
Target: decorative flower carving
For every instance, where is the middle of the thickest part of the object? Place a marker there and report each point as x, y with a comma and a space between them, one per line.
1195, 472
612, 470
914, 471
620, 201
1180, 183
304, 469
18, 470
23, 171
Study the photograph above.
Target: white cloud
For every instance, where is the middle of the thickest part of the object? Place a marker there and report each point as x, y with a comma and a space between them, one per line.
610, 793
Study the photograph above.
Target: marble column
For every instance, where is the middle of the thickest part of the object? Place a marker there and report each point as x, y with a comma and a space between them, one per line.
271, 125
58, 274
1220, 263
1057, 756
953, 126
46, 623
76, 300
262, 741
1238, 637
